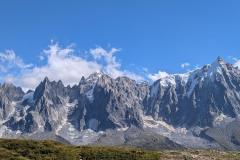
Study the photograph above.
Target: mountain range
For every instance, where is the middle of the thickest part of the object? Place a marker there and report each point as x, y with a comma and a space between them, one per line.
198, 109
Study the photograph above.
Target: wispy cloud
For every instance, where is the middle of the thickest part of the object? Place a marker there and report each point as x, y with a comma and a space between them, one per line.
9, 60
111, 66
185, 65
63, 64
236, 61
10, 65
158, 75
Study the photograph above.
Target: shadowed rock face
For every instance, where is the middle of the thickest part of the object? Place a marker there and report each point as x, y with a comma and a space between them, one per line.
99, 102
108, 103
8, 95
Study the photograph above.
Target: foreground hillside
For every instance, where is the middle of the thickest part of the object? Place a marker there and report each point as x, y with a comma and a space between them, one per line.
49, 150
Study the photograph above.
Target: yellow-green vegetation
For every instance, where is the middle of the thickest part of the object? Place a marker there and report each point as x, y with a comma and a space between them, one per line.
50, 150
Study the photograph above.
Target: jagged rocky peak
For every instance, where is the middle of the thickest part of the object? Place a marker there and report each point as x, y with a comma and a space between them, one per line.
87, 85
44, 108
83, 79
218, 71
95, 76
208, 71
12, 92
50, 89
39, 91
212, 91
139, 90
166, 79
9, 96
220, 59
216, 66
125, 79
111, 103
207, 93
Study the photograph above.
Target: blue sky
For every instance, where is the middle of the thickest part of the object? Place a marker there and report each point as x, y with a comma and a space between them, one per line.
155, 34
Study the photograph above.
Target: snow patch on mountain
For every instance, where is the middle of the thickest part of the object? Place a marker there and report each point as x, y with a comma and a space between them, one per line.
182, 77
64, 120
222, 120
92, 78
149, 122
122, 129
166, 79
179, 135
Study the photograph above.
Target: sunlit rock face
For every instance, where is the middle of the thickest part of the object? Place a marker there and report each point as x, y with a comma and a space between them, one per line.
198, 97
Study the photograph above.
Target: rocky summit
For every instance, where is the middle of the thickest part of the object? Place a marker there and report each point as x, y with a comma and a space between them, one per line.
198, 109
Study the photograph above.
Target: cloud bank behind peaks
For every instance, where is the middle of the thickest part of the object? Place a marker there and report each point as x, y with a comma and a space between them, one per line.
61, 64
64, 64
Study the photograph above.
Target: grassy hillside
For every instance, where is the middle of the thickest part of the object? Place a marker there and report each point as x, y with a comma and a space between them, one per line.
49, 150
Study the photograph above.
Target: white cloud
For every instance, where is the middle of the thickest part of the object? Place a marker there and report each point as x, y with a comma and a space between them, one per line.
112, 66
63, 64
184, 65
158, 75
9, 60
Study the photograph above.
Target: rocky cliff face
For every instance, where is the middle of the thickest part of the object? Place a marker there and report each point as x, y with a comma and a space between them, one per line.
97, 102
198, 97
106, 103
177, 104
9, 96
